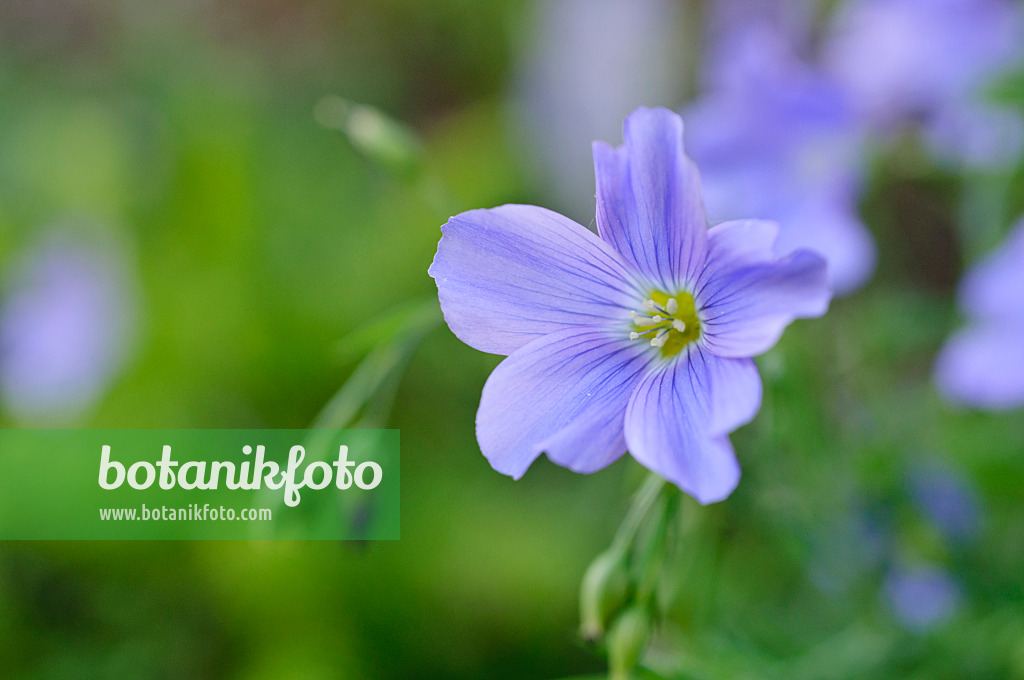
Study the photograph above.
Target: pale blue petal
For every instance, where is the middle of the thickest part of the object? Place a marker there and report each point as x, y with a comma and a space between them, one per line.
739, 243
667, 430
745, 309
735, 392
983, 366
829, 226
649, 202
564, 393
994, 288
509, 275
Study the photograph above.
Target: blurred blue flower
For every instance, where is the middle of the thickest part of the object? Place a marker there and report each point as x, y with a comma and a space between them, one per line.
983, 364
921, 597
947, 499
637, 339
65, 326
792, 18
929, 62
777, 139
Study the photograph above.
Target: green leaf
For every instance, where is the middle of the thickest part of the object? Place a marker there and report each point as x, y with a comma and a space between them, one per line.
365, 399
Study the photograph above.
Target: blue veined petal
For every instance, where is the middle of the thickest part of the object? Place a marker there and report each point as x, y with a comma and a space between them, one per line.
649, 202
509, 275
564, 393
745, 308
983, 366
668, 427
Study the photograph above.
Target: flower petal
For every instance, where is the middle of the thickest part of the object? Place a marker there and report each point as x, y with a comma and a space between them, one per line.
831, 227
738, 243
649, 202
745, 308
667, 429
992, 288
983, 366
735, 392
564, 393
509, 275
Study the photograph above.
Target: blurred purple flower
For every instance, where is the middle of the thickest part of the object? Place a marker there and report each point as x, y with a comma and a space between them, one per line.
791, 18
921, 597
777, 139
64, 329
929, 61
983, 364
637, 339
948, 500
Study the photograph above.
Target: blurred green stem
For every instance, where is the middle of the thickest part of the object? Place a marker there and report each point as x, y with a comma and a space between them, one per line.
642, 502
651, 551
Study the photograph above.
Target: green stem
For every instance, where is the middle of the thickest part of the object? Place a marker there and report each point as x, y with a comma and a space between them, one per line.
652, 557
642, 502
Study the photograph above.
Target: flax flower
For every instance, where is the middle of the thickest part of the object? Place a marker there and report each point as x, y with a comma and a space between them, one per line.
638, 338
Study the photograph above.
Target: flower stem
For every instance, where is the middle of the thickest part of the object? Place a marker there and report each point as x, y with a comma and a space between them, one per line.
642, 502
640, 546
651, 555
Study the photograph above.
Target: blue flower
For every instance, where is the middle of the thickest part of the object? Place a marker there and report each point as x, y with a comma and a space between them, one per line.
946, 496
776, 138
922, 597
639, 338
983, 364
66, 325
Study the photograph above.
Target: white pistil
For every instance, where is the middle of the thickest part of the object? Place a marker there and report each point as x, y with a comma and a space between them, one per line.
660, 338
672, 306
678, 325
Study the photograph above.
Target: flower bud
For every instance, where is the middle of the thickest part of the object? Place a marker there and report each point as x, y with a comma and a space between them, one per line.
380, 138
602, 592
627, 639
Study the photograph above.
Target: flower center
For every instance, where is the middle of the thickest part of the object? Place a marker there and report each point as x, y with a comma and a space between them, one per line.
670, 323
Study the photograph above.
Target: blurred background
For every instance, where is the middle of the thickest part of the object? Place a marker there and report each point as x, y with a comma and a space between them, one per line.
219, 214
